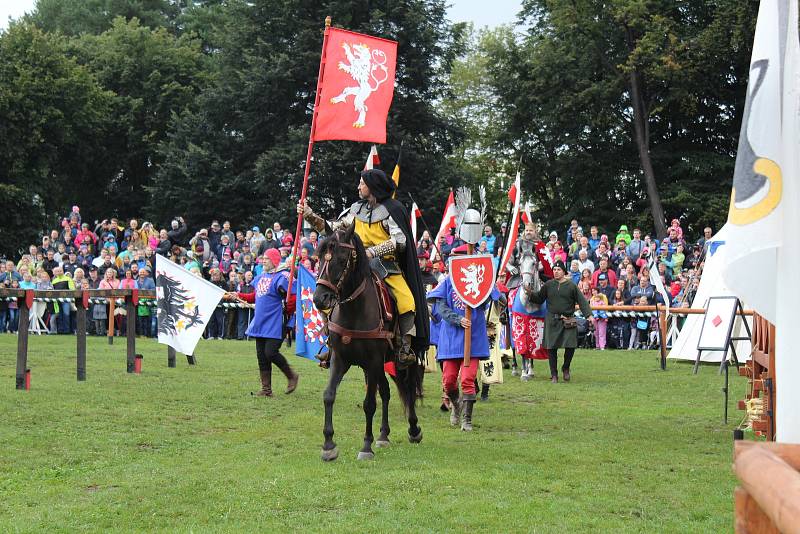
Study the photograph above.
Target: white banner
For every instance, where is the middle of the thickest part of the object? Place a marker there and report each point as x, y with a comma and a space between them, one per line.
765, 205
185, 303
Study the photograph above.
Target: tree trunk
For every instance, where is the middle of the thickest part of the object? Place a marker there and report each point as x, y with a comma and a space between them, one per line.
642, 133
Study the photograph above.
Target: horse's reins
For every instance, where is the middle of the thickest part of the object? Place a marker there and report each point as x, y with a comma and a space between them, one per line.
337, 288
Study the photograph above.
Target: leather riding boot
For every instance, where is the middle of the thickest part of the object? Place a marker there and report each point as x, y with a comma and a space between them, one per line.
291, 376
266, 384
455, 407
405, 355
466, 415
484, 392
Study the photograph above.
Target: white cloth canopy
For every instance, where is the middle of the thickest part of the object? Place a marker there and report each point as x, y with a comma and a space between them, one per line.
711, 285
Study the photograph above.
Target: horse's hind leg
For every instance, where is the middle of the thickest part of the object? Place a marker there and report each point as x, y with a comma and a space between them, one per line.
414, 431
337, 372
384, 390
369, 413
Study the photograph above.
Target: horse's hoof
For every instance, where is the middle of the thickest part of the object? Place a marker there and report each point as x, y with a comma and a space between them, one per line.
381, 444
366, 455
415, 439
330, 455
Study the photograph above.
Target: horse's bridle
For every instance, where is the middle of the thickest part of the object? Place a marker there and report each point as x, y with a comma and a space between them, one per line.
531, 273
322, 278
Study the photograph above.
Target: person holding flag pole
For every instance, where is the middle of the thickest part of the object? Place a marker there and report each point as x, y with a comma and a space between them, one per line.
382, 224
267, 326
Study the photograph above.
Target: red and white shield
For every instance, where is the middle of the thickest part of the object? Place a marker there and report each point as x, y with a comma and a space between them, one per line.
472, 278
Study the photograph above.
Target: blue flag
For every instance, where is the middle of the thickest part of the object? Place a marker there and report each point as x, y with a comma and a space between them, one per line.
310, 340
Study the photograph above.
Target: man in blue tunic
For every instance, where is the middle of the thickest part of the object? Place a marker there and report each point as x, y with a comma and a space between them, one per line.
267, 325
450, 310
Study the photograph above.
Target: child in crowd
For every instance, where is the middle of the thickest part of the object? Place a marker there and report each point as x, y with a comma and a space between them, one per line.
642, 324
619, 327
601, 318
575, 271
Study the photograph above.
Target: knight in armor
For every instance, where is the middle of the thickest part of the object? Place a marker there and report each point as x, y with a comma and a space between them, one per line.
382, 224
450, 313
528, 243
527, 322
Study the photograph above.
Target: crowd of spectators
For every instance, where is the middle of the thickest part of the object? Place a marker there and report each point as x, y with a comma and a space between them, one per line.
114, 254
607, 272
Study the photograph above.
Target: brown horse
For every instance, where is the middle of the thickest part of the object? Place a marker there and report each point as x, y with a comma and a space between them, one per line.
348, 295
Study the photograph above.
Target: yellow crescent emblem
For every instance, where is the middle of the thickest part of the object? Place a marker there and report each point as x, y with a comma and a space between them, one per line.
764, 207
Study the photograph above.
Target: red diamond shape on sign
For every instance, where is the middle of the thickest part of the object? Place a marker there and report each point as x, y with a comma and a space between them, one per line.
716, 321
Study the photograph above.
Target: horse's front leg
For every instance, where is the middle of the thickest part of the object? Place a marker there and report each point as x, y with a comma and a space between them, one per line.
337, 372
384, 390
373, 378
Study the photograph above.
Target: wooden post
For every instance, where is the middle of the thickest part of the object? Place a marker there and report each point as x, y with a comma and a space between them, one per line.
112, 303
22, 337
80, 325
468, 330
131, 326
170, 356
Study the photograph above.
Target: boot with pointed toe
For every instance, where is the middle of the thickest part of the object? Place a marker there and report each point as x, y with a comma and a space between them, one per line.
291, 376
266, 384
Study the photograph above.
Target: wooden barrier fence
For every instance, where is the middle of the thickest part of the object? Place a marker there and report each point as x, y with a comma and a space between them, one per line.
768, 500
25, 299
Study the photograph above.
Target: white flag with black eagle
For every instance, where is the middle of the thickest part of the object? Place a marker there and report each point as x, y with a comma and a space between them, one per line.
185, 303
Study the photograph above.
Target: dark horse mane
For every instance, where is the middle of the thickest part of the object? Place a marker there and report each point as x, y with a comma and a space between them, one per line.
362, 268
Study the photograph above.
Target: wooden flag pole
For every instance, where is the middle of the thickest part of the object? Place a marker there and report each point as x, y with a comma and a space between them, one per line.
303, 192
468, 330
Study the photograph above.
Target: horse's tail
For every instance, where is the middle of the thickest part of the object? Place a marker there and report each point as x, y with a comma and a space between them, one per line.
409, 384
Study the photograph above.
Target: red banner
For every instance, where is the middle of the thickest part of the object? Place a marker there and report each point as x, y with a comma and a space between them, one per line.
513, 231
357, 87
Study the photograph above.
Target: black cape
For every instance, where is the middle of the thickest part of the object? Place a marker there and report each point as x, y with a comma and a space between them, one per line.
409, 264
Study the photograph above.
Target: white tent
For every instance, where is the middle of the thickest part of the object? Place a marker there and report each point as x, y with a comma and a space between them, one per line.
711, 285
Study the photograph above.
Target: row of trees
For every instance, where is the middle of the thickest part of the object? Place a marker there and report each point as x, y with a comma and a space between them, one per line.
625, 112
622, 112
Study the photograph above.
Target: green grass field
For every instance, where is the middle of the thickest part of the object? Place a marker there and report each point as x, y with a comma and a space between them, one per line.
624, 447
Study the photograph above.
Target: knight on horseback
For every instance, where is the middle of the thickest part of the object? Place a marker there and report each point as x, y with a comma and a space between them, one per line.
383, 225
526, 267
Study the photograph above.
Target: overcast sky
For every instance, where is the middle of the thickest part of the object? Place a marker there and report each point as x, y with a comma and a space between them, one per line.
476, 11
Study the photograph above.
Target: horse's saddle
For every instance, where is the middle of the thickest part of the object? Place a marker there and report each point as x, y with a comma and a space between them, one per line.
385, 299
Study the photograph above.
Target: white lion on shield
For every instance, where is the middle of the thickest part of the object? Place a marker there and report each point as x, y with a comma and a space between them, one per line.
473, 277
362, 68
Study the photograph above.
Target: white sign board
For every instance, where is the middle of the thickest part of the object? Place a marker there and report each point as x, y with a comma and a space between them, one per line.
717, 323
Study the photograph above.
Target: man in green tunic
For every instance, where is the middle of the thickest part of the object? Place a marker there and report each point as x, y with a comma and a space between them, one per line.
562, 295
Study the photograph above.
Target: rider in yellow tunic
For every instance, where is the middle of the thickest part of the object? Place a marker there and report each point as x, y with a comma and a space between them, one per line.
373, 235
384, 240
